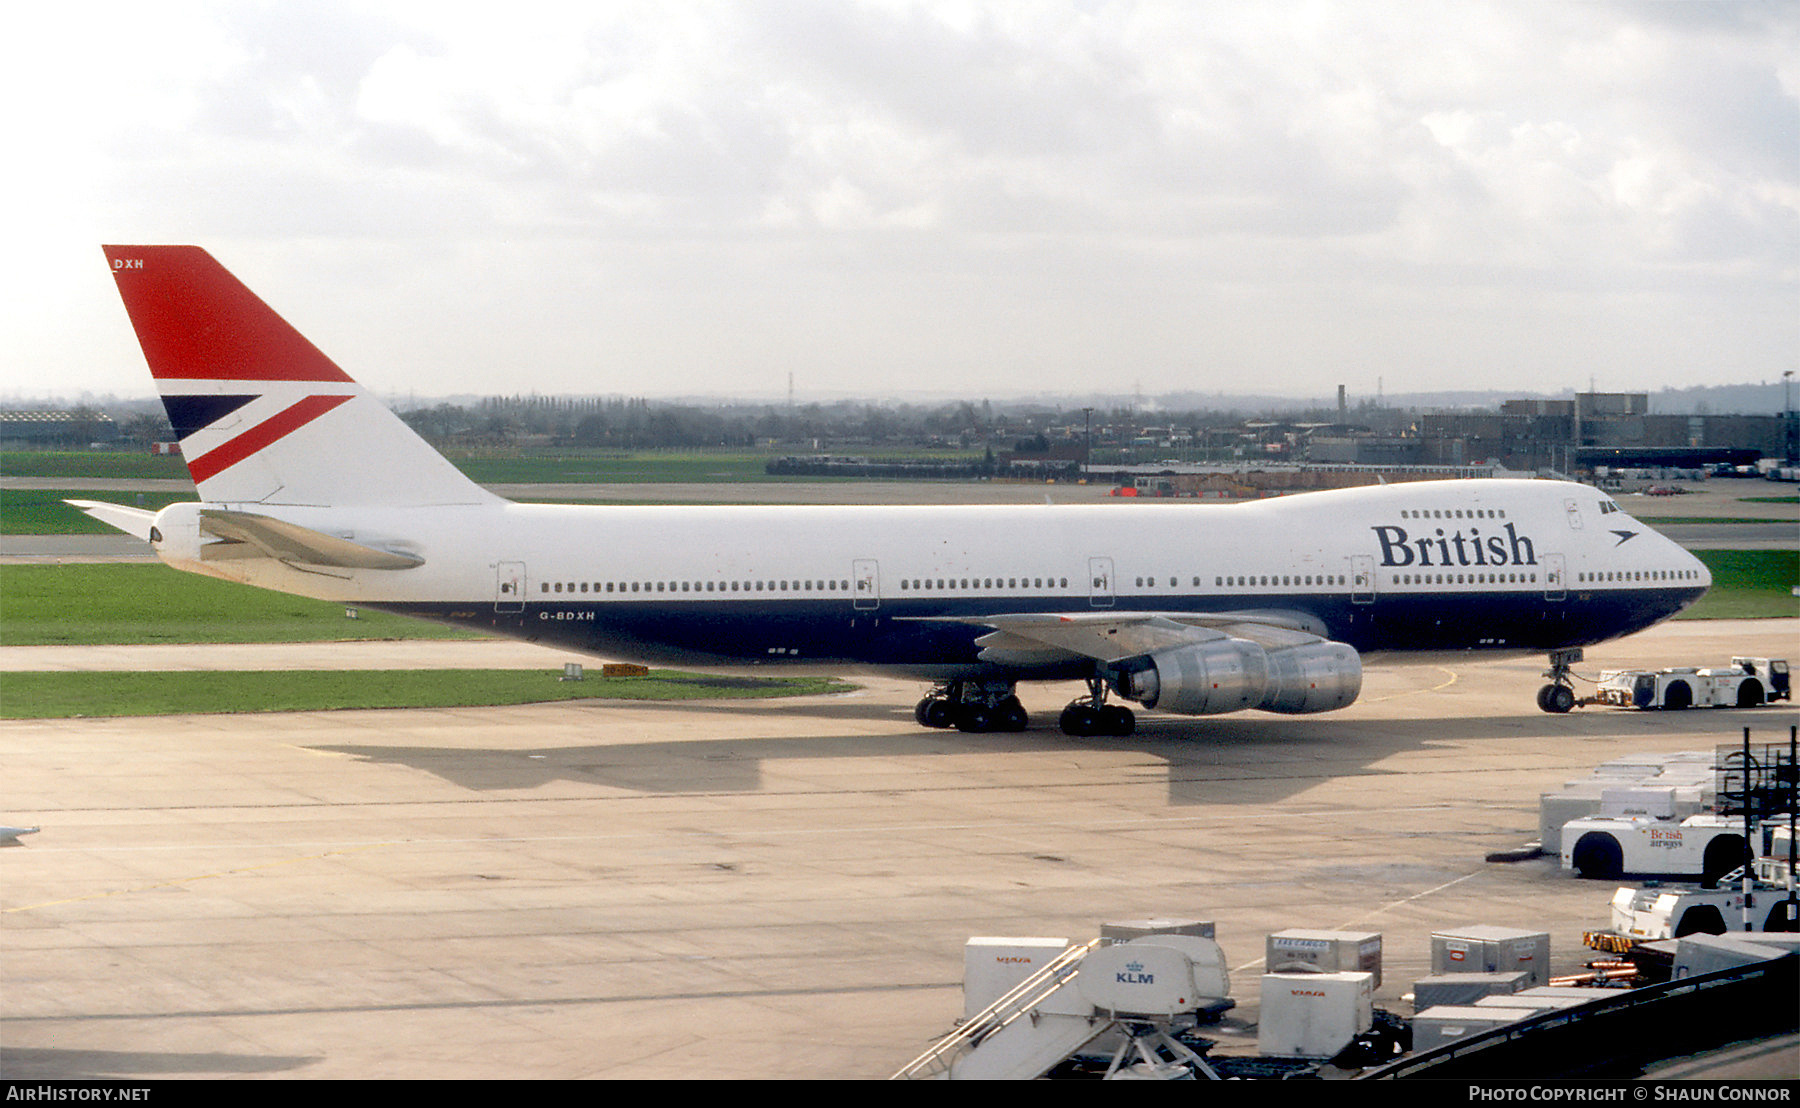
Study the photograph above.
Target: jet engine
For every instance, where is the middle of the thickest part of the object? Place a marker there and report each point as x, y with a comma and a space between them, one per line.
1229, 675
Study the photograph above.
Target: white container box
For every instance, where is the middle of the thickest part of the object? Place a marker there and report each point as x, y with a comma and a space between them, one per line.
1450, 1023
1313, 1015
1463, 989
993, 965
1330, 951
1488, 949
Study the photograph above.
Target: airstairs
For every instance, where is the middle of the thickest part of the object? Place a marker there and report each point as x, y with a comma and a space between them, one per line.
1097, 996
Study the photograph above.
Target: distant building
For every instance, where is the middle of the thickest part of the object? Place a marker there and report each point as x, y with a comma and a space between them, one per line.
70, 429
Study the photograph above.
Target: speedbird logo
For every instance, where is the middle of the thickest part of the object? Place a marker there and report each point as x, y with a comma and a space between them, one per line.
1455, 549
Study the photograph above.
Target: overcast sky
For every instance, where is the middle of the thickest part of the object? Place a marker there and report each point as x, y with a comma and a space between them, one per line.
894, 199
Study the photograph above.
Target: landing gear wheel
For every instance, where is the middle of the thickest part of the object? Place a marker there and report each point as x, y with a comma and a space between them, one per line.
1115, 720
1557, 696
1079, 720
972, 706
974, 718
1092, 715
935, 711
1082, 720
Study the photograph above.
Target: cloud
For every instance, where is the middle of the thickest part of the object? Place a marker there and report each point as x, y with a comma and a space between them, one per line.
954, 195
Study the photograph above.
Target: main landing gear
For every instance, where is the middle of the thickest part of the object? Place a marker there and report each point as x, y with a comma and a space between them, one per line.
978, 706
1092, 715
1558, 696
973, 706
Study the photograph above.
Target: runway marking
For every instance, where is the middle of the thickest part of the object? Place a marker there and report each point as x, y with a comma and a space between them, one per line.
1348, 924
196, 877
1410, 692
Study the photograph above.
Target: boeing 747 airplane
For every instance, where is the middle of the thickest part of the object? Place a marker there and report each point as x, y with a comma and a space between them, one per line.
310, 485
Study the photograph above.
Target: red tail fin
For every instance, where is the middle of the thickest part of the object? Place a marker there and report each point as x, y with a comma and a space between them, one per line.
196, 321
263, 416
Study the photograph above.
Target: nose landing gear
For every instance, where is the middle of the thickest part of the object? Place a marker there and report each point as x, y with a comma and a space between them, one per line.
1558, 696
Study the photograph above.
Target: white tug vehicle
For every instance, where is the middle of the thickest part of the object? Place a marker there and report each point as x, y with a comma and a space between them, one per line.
1746, 683
1648, 913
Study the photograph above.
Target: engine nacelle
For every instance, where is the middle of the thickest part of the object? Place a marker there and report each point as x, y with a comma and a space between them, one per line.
1226, 675
1230, 675
1317, 677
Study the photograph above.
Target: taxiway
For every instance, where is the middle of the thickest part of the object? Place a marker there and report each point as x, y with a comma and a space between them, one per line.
740, 889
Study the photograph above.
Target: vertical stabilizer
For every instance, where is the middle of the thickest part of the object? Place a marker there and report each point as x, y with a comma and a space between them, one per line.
262, 415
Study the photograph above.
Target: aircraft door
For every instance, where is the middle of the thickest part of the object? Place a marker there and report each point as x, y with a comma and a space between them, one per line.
865, 578
509, 587
1100, 582
1362, 579
1555, 585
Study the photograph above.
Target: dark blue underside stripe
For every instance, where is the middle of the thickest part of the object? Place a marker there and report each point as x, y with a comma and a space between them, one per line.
815, 631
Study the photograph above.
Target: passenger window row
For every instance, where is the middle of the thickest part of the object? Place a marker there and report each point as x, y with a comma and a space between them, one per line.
1464, 579
1614, 576
949, 584
821, 585
1273, 580
1455, 513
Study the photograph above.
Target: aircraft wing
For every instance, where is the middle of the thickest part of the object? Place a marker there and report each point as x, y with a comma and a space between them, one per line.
1046, 638
265, 536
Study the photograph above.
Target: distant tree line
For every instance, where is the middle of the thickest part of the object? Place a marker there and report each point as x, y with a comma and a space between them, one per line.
634, 423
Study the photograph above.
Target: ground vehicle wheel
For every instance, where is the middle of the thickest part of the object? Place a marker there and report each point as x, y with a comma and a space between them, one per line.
1750, 694
1704, 920
1597, 854
1679, 697
1724, 854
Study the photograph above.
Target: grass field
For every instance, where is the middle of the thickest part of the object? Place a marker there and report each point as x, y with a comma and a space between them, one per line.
107, 464
42, 511
66, 695
601, 467
1749, 584
151, 603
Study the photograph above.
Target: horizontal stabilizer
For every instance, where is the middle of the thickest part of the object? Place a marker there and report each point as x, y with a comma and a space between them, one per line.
289, 542
9, 836
132, 521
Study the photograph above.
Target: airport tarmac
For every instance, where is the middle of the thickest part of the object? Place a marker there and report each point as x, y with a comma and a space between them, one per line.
742, 889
